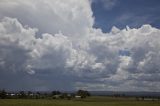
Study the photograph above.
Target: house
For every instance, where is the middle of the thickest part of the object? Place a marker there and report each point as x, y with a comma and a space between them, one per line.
78, 97
56, 96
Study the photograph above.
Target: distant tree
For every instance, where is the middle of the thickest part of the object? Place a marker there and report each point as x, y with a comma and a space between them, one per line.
29, 94
45, 95
22, 94
55, 93
83, 93
63, 95
38, 94
3, 94
137, 98
69, 96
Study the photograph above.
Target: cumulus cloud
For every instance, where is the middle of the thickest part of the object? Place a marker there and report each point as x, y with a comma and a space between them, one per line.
15, 44
72, 17
56, 43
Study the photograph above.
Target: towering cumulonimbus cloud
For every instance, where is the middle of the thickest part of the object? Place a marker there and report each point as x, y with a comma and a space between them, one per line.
55, 41
72, 17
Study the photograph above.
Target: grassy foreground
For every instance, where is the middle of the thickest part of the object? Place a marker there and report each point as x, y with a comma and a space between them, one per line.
91, 101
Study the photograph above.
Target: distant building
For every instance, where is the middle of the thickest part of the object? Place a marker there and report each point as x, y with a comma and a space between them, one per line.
78, 97
57, 96
10, 94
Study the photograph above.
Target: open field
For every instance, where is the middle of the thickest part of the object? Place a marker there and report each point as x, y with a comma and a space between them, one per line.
91, 101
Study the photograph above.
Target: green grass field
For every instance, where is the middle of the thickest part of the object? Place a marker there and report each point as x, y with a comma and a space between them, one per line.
91, 101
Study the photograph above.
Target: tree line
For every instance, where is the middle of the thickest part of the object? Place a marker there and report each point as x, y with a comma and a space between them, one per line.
43, 95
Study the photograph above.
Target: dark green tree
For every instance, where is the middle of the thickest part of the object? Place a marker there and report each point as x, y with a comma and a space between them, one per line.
22, 94
83, 93
29, 94
38, 95
3, 94
55, 93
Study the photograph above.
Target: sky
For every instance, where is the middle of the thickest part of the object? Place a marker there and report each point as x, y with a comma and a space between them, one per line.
98, 45
133, 13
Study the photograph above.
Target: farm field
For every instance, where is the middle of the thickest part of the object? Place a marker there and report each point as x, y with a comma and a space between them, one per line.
90, 101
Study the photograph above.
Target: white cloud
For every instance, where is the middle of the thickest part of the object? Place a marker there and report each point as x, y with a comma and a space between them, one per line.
107, 4
71, 51
15, 44
72, 17
133, 19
